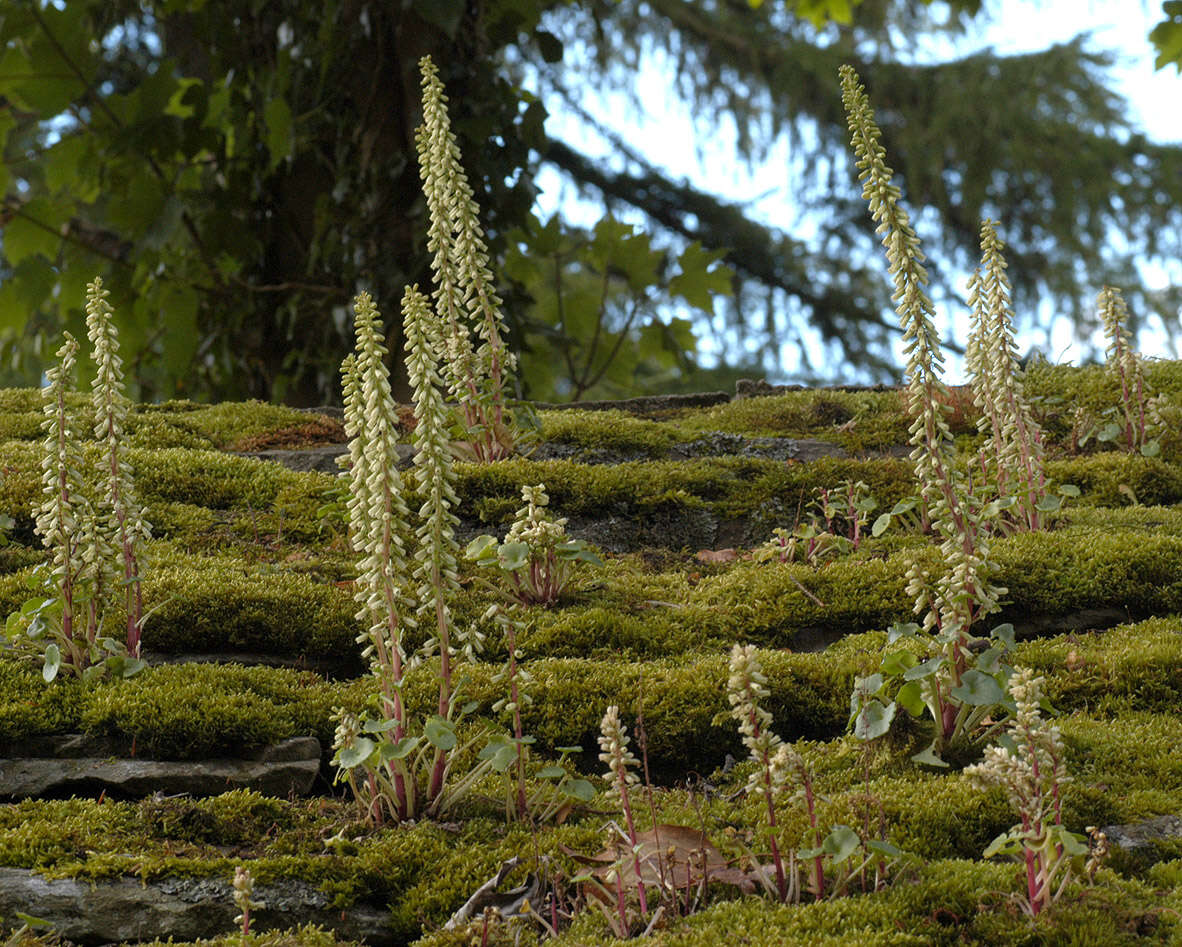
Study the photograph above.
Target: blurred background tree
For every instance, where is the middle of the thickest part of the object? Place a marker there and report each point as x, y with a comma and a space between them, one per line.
237, 169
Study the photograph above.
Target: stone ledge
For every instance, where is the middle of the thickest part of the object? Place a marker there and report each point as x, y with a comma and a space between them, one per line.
127, 909
65, 766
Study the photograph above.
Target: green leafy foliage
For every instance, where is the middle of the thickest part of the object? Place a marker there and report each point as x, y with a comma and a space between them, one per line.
594, 313
1167, 36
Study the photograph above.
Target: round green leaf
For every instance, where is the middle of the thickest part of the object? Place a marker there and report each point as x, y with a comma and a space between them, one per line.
440, 733
874, 720
920, 671
53, 662
898, 662
513, 556
841, 843
399, 750
929, 757
978, 689
910, 698
579, 789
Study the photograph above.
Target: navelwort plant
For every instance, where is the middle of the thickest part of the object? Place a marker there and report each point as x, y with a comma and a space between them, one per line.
955, 686
90, 524
535, 562
244, 899
464, 296
1028, 763
397, 774
1013, 454
537, 558
1137, 421
779, 764
621, 761
836, 526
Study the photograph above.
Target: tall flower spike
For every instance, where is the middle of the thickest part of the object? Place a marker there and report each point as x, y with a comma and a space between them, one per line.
1032, 773
620, 760
1125, 365
933, 452
378, 519
464, 295
124, 525
437, 551
927, 396
745, 688
1015, 436
532, 525
439, 167
63, 507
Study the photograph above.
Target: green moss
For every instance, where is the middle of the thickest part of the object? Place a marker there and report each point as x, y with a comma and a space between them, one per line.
308, 936
154, 430
948, 902
1157, 519
30, 708
230, 421
1131, 666
728, 486
184, 522
195, 711
21, 425
1101, 476
608, 430
863, 420
207, 478
240, 817
20, 399
20, 487
216, 604
1078, 568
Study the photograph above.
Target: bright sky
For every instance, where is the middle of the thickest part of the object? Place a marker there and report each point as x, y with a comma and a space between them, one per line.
666, 135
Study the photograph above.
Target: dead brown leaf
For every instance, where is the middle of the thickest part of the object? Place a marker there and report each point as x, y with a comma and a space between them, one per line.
717, 555
675, 857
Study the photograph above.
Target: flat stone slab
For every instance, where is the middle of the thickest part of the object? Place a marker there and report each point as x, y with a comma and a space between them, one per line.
1138, 838
324, 459
127, 909
64, 766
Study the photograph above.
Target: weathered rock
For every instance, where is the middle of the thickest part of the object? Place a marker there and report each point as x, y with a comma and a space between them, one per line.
77, 765
321, 459
127, 909
342, 666
759, 388
719, 444
1138, 840
645, 404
